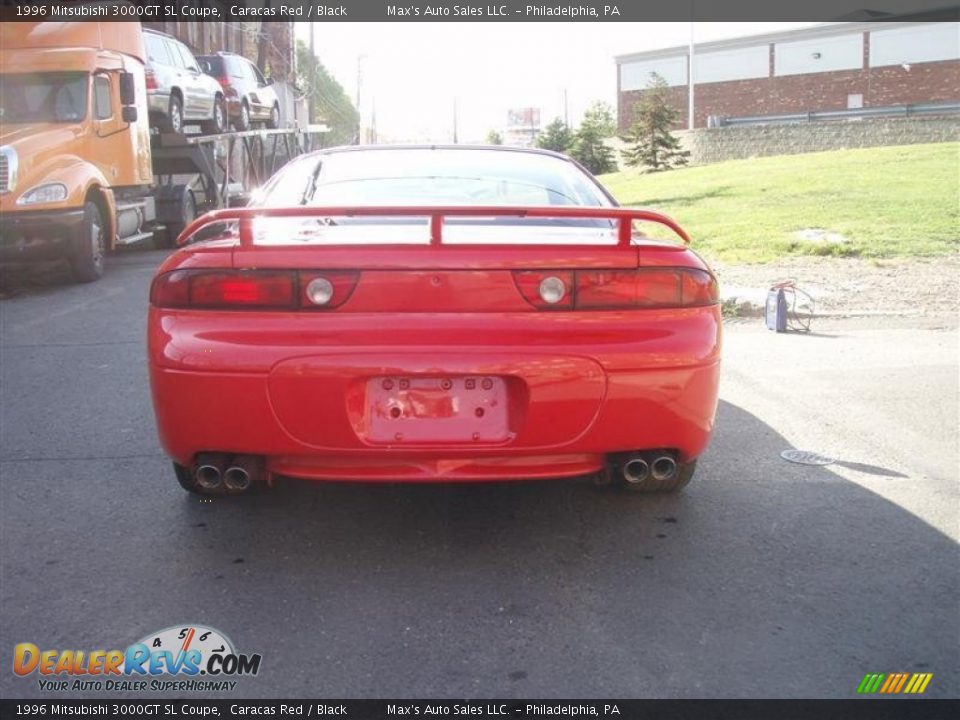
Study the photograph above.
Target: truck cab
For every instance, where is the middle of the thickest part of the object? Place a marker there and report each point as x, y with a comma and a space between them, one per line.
75, 156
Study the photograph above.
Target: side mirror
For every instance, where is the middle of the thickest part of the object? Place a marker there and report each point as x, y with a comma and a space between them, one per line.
128, 91
129, 113
268, 81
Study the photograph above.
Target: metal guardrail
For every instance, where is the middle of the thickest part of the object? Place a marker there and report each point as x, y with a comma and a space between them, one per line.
951, 108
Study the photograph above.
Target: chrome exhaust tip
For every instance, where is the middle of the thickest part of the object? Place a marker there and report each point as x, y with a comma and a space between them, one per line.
635, 470
207, 475
242, 472
664, 468
237, 478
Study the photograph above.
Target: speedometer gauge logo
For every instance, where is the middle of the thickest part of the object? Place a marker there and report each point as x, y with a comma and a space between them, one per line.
189, 650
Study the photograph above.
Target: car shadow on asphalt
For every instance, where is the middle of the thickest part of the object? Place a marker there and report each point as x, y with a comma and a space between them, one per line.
762, 578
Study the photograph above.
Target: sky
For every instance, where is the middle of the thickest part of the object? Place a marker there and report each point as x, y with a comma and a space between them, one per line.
414, 73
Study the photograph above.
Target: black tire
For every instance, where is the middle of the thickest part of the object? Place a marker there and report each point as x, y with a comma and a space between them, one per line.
174, 120
218, 123
87, 260
188, 213
243, 119
681, 478
274, 122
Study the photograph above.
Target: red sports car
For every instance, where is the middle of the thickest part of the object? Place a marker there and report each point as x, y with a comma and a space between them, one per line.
433, 314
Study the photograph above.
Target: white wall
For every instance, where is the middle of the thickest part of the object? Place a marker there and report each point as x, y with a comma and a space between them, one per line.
636, 75
739, 64
914, 44
840, 52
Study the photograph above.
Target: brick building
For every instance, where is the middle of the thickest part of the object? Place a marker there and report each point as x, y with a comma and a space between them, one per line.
824, 67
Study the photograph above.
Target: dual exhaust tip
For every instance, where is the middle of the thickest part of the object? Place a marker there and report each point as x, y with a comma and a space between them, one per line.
215, 471
637, 468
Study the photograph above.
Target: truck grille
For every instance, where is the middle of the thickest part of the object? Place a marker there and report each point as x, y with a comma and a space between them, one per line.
8, 169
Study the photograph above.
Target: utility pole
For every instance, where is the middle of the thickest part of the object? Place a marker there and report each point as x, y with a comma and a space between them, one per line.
566, 114
360, 59
690, 82
312, 77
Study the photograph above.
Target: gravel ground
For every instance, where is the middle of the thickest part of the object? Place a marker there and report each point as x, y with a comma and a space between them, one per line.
851, 286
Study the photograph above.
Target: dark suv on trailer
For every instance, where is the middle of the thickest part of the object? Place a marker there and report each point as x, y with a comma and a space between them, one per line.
250, 97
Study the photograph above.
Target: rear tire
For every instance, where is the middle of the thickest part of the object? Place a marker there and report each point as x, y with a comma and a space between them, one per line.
274, 122
218, 123
243, 119
681, 478
88, 256
174, 120
188, 213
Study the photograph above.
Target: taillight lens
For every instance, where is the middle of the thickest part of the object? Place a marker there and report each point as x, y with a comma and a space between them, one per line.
249, 289
546, 290
326, 290
151, 80
623, 289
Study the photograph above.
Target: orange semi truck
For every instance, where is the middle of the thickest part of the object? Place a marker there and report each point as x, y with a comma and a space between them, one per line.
76, 173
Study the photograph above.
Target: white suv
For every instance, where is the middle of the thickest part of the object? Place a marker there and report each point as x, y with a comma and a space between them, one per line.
178, 92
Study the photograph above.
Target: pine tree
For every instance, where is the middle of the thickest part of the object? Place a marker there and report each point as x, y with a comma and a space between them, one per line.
588, 144
649, 140
555, 136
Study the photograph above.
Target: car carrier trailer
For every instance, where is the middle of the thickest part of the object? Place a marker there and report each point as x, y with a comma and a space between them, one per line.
81, 172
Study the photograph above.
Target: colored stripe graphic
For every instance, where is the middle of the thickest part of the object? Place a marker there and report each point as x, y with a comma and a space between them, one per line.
894, 683
870, 683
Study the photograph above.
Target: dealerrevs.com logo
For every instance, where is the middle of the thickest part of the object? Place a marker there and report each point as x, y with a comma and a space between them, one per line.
179, 658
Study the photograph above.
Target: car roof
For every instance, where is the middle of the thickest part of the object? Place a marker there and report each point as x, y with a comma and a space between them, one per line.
149, 31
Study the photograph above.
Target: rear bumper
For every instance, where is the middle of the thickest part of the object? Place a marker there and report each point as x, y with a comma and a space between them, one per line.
39, 235
292, 390
158, 103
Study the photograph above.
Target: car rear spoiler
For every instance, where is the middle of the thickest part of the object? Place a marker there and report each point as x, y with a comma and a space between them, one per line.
623, 216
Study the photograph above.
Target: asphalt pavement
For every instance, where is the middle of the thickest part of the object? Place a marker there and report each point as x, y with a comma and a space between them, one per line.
763, 578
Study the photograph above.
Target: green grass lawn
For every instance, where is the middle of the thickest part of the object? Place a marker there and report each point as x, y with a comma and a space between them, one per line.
883, 202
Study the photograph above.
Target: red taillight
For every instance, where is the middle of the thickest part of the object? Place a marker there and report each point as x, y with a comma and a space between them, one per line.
623, 289
151, 80
224, 81
253, 289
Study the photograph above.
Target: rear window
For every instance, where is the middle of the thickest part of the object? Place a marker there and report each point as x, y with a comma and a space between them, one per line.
157, 50
433, 177
211, 65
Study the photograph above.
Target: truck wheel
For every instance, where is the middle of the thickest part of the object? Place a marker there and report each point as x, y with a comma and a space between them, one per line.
219, 122
681, 478
87, 259
174, 121
188, 213
274, 122
243, 121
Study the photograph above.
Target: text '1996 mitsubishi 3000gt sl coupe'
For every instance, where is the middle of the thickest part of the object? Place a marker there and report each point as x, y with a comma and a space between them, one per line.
411, 314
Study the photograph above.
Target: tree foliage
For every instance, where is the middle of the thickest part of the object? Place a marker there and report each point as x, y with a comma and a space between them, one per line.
326, 98
649, 141
588, 146
556, 136
494, 138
